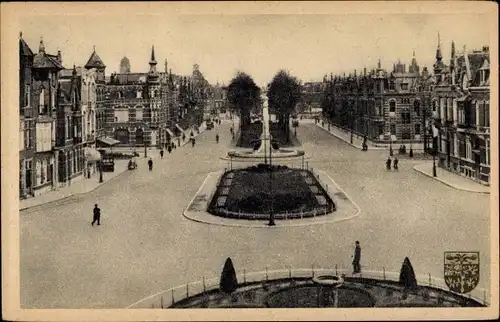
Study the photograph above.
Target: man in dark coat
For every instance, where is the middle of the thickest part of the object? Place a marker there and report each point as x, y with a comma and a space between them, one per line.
97, 216
357, 257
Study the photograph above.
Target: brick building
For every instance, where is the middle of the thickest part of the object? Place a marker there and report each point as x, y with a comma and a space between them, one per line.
385, 106
461, 104
38, 87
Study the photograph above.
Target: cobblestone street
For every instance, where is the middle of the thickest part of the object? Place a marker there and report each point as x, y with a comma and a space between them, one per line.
144, 245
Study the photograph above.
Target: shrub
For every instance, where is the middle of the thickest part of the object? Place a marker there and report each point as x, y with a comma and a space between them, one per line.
407, 275
228, 280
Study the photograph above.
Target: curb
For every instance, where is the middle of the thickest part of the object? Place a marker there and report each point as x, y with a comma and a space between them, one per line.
351, 144
447, 183
76, 194
285, 223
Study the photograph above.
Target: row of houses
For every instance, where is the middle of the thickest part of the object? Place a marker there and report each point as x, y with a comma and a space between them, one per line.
66, 115
446, 112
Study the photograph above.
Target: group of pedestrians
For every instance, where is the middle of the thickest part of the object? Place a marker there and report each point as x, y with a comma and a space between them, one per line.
395, 163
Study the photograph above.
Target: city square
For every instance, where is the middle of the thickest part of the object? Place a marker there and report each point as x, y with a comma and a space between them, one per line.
145, 245
176, 168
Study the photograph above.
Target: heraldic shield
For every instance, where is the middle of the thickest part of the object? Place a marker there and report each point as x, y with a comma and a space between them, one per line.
461, 271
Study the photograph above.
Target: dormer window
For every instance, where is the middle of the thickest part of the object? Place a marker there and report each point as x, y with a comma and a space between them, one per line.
139, 94
404, 86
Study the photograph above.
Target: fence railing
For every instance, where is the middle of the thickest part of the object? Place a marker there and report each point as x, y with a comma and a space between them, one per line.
167, 298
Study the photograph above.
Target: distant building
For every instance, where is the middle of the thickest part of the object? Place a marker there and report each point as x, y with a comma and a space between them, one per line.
386, 107
124, 66
461, 105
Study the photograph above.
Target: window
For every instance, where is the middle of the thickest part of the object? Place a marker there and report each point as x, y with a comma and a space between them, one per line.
417, 128
487, 115
392, 106
405, 116
27, 95
139, 94
416, 107
41, 105
434, 106
404, 86
138, 114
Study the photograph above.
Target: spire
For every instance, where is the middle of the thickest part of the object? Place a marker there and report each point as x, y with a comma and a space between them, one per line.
153, 60
379, 64
452, 49
21, 34
74, 70
41, 48
439, 55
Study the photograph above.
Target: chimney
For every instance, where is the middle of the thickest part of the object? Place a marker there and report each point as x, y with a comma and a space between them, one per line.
486, 49
59, 58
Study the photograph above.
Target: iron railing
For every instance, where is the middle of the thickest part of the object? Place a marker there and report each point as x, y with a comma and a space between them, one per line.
167, 298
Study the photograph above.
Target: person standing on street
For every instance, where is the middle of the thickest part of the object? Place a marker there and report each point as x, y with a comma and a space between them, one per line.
217, 137
161, 153
150, 164
388, 164
395, 163
357, 257
97, 216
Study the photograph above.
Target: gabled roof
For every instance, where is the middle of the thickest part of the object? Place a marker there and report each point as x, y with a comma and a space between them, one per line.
94, 61
42, 60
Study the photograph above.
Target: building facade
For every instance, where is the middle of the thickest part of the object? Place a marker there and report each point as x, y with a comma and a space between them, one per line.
69, 149
461, 105
386, 107
38, 89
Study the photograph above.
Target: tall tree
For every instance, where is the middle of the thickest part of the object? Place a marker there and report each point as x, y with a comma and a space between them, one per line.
284, 94
243, 96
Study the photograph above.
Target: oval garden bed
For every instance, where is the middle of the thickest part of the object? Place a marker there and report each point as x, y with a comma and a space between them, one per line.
253, 193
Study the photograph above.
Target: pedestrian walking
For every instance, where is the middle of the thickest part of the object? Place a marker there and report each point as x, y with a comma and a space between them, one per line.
395, 163
193, 142
169, 149
217, 138
357, 257
388, 163
150, 164
97, 216
161, 153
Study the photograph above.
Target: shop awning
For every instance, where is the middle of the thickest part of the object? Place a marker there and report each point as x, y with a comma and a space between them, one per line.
170, 133
179, 128
92, 155
108, 141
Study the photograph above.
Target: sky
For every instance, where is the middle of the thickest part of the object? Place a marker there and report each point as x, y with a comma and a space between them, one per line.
308, 46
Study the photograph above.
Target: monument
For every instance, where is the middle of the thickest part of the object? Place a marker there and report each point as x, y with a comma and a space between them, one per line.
265, 150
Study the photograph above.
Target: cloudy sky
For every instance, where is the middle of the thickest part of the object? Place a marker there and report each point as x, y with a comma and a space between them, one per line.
260, 44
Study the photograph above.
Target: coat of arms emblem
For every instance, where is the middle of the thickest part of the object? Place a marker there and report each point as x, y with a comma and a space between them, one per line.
461, 271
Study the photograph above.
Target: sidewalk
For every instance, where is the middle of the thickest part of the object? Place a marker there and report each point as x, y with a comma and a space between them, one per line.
345, 136
451, 179
82, 186
202, 128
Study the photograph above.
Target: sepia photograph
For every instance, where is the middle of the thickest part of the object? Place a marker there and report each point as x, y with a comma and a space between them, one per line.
187, 160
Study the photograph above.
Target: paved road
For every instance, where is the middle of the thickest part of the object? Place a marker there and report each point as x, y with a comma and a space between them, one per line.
145, 245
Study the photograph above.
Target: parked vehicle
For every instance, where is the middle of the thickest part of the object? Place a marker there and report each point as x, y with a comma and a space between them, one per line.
210, 124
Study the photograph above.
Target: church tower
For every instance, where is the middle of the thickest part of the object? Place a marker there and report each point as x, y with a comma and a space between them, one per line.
438, 65
154, 94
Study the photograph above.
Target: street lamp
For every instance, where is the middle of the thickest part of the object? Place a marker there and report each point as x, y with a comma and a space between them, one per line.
434, 171
100, 171
391, 152
271, 208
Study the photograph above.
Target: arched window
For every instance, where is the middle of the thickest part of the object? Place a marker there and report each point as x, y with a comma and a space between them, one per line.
392, 106
139, 136
122, 135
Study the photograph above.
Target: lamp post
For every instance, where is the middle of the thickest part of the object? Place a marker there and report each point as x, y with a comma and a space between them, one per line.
145, 145
391, 152
100, 171
271, 208
434, 171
